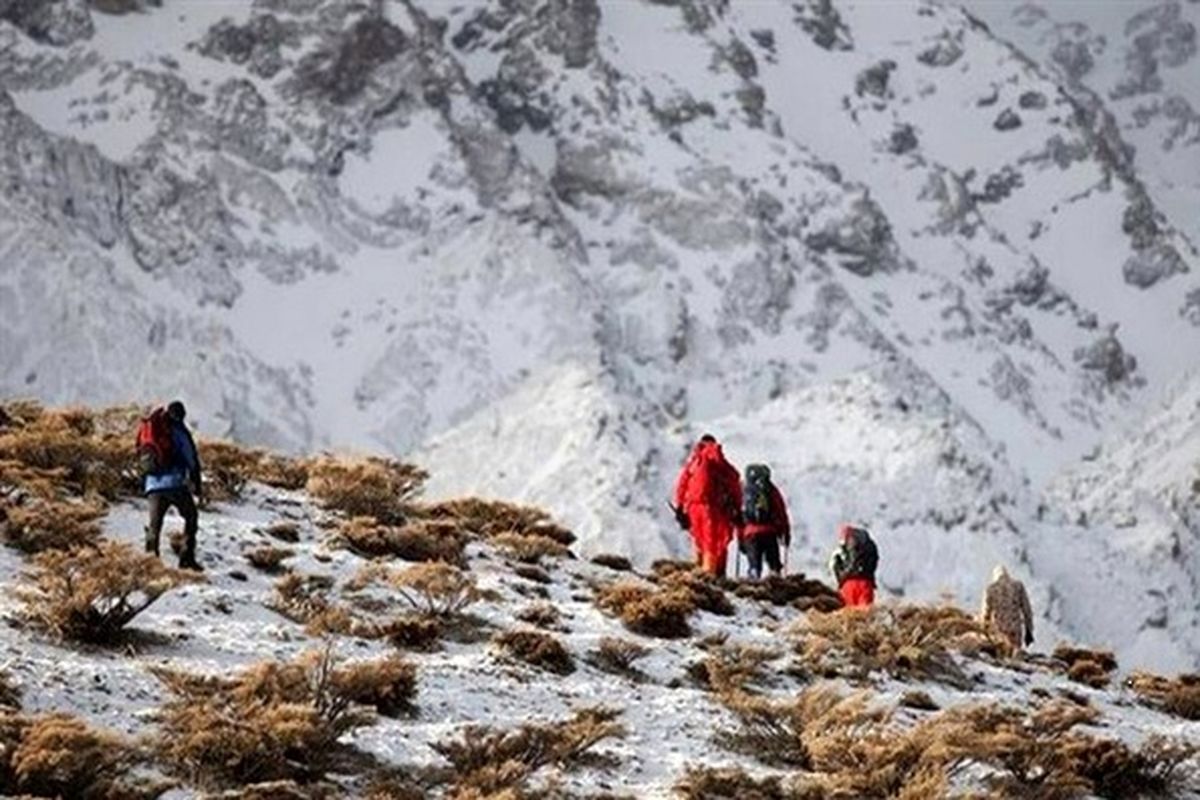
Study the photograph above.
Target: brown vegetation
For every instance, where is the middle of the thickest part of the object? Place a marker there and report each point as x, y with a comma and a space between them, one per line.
529, 548
61, 756
613, 561
1179, 696
91, 594
490, 763
537, 649
617, 656
371, 487
646, 610
906, 642
39, 524
421, 540
269, 558
275, 721
1090, 667
488, 518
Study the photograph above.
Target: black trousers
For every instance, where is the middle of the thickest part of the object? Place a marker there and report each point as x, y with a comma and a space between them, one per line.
765, 546
181, 500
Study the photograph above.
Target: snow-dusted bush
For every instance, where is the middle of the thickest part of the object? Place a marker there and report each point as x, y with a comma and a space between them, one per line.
488, 518
617, 656
906, 642
39, 524
372, 487
529, 548
276, 720
420, 540
488, 763
537, 649
92, 593
61, 756
646, 610
1179, 696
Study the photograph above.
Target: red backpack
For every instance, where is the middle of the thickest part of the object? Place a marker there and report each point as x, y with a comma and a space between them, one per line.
154, 441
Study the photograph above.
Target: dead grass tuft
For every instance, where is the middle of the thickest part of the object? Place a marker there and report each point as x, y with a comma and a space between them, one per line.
269, 558
1090, 667
61, 756
490, 763
422, 540
529, 548
648, 610
797, 591
537, 649
275, 721
371, 487
613, 561
1179, 696
728, 783
38, 525
489, 518
91, 594
906, 642
618, 656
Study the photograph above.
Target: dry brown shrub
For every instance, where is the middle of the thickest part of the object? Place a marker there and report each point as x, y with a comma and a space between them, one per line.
486, 762
61, 756
537, 649
39, 525
488, 518
284, 530
1090, 667
543, 615
435, 589
371, 487
906, 642
413, 632
702, 590
791, 590
268, 558
646, 610
421, 540
728, 668
91, 594
529, 548
613, 561
728, 783
93, 452
1179, 696
276, 720
617, 656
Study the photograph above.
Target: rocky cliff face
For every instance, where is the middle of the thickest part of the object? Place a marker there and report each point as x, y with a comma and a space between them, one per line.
542, 245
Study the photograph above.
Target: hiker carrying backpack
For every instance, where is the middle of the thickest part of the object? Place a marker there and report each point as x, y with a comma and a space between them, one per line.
708, 499
764, 522
171, 468
853, 565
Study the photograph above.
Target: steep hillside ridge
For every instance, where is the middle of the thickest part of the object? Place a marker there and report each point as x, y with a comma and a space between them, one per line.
544, 676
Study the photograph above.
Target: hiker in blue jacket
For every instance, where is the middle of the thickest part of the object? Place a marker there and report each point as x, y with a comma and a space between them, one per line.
172, 467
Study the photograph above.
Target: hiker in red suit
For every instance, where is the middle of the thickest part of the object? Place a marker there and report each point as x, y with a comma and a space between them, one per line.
708, 502
853, 565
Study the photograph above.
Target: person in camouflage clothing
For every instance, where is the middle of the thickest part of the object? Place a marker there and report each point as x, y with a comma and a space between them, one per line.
1006, 608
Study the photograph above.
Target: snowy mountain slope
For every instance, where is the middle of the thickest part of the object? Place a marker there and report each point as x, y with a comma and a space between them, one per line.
541, 246
671, 722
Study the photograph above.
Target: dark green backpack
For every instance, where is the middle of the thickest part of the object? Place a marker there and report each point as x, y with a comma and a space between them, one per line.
756, 497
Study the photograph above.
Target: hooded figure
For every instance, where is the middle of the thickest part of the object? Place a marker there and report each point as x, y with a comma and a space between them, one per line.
1006, 608
708, 496
853, 565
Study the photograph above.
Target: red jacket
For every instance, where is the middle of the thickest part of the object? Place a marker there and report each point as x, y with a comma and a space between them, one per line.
779, 525
708, 480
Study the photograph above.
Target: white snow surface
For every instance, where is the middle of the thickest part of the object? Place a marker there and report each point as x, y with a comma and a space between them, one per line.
543, 250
